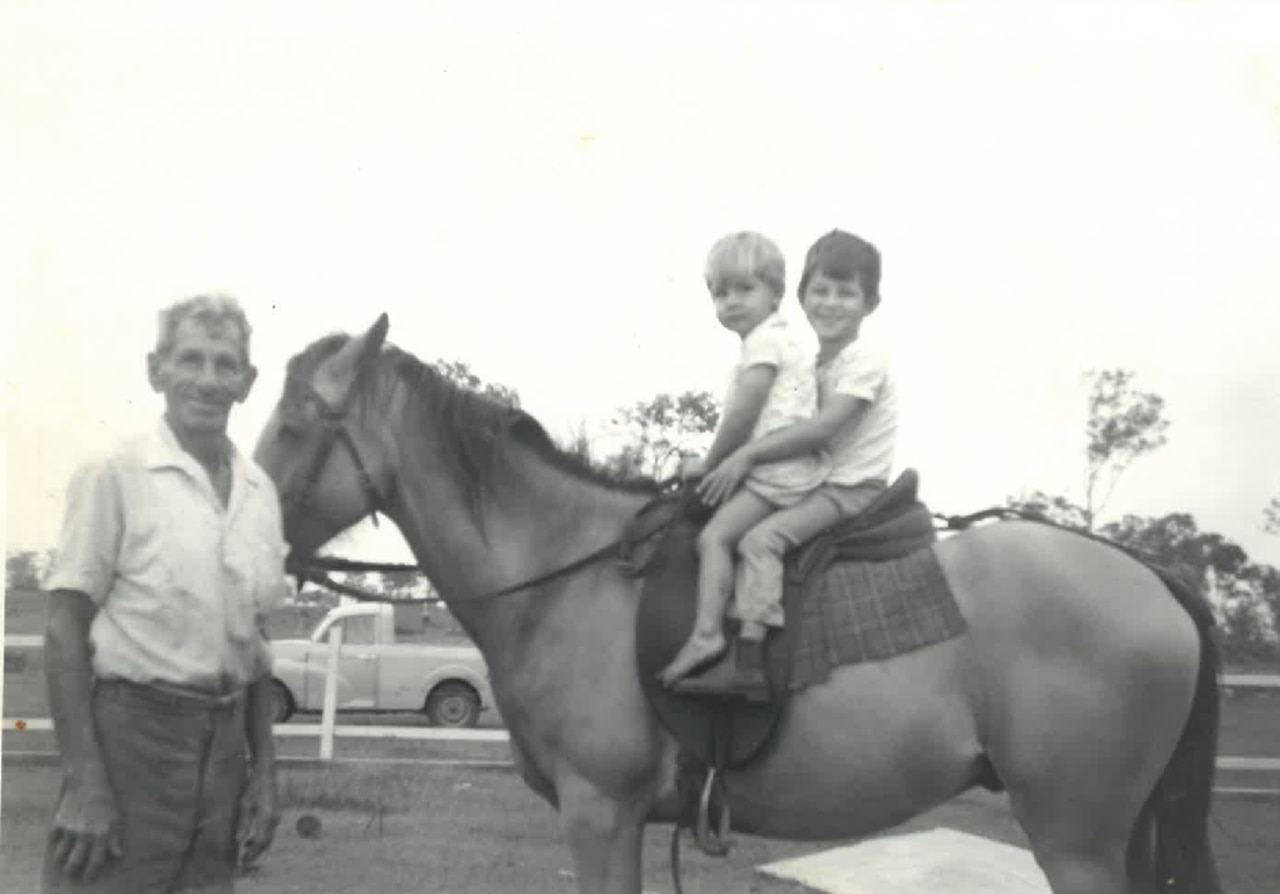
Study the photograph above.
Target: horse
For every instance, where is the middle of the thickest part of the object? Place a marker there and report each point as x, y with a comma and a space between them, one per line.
1084, 681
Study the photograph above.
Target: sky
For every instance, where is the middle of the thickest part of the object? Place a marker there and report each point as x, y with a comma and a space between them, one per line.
534, 191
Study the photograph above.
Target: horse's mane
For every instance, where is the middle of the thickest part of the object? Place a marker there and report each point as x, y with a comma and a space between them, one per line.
475, 432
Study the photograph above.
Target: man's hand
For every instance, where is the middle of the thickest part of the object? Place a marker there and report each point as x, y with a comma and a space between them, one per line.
259, 815
86, 829
725, 478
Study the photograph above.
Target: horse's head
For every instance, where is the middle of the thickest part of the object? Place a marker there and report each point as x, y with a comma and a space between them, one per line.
322, 446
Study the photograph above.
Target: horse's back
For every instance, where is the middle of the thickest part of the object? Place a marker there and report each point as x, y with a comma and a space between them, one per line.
1038, 595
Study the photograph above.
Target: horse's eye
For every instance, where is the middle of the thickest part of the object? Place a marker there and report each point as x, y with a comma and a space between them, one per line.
291, 421
290, 427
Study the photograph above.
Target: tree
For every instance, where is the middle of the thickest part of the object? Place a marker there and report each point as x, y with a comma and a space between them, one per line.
1252, 616
459, 372
1271, 516
1246, 595
1124, 424
1174, 540
22, 570
659, 430
404, 584
1056, 509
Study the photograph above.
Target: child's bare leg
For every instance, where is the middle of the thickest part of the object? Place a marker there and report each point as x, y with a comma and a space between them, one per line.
716, 547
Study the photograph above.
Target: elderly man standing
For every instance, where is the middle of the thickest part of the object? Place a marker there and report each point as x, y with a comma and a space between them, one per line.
158, 672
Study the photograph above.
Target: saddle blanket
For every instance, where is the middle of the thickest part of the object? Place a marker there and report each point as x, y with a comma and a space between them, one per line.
868, 611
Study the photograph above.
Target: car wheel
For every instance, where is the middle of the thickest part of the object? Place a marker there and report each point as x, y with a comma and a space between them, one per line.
282, 705
453, 704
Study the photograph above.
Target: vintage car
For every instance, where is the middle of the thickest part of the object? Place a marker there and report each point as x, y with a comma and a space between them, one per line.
380, 670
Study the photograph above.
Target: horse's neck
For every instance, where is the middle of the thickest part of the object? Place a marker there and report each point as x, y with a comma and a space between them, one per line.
537, 519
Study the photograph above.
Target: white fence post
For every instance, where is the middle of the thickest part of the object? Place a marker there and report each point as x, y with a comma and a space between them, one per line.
330, 693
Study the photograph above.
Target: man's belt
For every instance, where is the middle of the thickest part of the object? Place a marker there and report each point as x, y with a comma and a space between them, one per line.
175, 694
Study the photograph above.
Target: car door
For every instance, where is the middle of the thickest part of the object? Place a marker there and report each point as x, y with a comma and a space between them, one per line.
358, 662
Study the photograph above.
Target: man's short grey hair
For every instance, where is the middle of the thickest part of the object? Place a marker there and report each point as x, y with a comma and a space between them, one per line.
212, 310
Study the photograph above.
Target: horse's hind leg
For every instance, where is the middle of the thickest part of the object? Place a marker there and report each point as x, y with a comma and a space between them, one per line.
604, 835
1079, 805
1078, 791
1079, 841
1085, 874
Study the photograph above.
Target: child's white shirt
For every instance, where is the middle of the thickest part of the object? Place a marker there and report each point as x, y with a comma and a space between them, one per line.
793, 398
863, 450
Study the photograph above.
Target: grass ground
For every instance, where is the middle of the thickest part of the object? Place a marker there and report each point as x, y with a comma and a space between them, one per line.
450, 830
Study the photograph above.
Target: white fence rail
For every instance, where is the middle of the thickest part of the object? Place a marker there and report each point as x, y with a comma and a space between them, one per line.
1245, 681
328, 729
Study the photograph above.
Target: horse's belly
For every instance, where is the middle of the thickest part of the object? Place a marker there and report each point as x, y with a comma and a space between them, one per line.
875, 745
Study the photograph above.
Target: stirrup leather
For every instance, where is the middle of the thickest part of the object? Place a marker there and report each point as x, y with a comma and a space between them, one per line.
717, 842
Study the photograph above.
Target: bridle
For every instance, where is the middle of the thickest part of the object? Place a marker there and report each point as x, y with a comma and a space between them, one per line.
335, 428
297, 500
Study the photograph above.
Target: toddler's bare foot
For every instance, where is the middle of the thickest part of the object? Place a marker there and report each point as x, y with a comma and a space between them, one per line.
697, 652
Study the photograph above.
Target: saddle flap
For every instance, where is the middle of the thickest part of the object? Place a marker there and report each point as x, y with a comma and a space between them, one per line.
664, 619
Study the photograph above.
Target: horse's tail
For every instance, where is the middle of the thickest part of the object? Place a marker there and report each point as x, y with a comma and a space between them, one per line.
1169, 847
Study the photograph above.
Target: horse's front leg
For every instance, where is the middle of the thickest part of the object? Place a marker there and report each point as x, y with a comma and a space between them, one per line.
605, 835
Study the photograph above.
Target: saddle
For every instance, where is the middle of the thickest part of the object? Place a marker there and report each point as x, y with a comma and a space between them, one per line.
718, 732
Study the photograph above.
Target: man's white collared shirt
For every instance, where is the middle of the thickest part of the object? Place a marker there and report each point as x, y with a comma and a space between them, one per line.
181, 582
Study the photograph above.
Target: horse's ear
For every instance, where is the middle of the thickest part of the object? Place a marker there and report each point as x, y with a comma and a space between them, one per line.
375, 337
340, 371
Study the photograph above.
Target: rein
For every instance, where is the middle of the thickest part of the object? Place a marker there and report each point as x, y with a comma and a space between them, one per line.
334, 420
318, 568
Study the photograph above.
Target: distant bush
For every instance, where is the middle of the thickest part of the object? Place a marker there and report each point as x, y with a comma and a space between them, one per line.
294, 621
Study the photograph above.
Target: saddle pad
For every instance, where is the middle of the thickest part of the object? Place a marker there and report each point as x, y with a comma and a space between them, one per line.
869, 611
